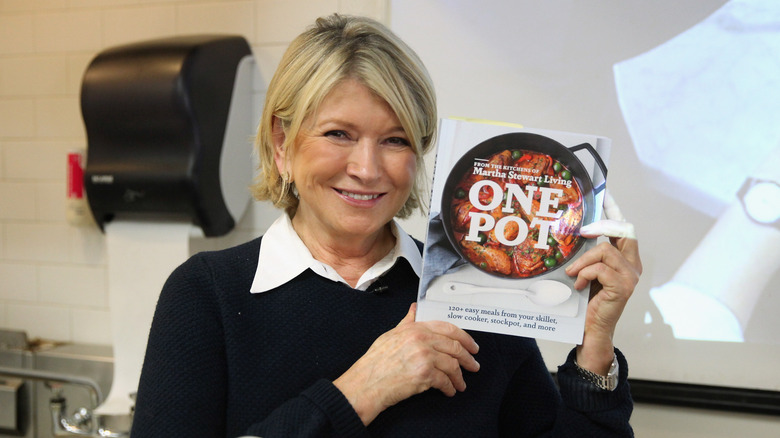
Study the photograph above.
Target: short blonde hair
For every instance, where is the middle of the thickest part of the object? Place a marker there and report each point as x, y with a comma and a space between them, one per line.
335, 48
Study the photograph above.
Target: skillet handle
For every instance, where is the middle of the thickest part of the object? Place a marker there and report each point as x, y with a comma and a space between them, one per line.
599, 162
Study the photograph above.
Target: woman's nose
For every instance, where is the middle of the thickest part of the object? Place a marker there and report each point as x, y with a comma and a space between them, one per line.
365, 161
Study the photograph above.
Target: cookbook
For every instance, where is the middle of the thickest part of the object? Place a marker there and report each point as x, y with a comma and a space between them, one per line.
506, 207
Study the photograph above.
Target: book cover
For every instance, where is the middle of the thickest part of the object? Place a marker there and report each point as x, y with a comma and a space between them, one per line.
506, 207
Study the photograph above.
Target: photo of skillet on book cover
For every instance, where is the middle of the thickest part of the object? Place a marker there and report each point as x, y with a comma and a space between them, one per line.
506, 208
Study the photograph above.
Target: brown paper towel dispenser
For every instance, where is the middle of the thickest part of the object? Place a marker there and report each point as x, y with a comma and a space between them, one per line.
169, 128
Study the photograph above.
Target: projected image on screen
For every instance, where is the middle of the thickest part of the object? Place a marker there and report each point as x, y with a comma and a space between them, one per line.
703, 110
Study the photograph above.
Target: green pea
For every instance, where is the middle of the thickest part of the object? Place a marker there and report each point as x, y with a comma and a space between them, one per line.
460, 194
550, 262
551, 241
557, 167
516, 155
566, 175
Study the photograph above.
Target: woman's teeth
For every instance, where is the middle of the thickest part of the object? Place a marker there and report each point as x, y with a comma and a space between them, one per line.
358, 196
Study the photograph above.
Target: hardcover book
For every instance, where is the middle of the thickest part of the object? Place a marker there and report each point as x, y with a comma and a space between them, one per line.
506, 208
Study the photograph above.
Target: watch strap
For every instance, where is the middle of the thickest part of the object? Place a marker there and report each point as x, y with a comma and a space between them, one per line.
608, 382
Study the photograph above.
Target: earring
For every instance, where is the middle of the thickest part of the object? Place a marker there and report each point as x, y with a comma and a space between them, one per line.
285, 176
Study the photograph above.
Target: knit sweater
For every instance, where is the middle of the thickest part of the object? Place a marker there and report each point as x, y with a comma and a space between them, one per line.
222, 362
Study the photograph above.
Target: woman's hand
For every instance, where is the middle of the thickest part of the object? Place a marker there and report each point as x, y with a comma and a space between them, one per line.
407, 360
613, 269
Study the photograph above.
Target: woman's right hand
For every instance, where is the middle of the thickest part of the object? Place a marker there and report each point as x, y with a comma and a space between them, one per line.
407, 360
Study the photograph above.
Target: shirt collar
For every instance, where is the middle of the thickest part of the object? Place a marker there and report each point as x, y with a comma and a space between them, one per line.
283, 256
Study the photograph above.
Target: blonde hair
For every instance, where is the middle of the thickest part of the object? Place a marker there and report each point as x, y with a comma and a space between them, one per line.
335, 48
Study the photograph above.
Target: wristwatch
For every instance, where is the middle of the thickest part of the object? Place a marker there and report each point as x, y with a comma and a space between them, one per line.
608, 382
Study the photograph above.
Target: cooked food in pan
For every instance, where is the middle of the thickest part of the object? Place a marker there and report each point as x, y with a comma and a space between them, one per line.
517, 213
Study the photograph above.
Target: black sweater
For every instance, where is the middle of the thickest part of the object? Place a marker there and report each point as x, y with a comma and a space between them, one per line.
222, 362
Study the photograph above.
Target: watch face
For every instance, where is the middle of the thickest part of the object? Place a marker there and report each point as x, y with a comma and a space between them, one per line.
762, 202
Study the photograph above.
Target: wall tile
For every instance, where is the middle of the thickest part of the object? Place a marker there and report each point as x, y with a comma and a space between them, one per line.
232, 17
146, 2
77, 65
50, 201
128, 25
34, 75
100, 3
86, 244
16, 34
65, 31
47, 322
38, 160
17, 201
376, 9
59, 117
91, 326
3, 255
34, 5
17, 118
19, 282
282, 20
83, 286
37, 242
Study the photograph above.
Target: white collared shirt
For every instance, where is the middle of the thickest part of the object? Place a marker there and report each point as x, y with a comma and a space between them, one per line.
283, 256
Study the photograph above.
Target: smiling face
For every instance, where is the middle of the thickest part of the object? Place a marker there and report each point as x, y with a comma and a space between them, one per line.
353, 165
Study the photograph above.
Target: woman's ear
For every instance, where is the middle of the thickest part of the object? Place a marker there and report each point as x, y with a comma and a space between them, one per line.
278, 136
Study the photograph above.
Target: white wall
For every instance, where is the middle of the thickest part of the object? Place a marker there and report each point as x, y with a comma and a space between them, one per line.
53, 275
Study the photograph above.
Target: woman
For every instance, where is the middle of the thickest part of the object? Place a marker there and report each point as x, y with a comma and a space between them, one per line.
309, 330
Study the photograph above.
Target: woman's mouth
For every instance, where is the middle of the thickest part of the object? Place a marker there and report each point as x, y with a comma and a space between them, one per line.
359, 196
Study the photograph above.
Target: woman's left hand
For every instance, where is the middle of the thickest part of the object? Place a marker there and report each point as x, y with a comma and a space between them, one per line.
613, 269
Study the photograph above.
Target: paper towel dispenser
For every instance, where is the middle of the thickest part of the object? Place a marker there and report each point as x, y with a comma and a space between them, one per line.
169, 128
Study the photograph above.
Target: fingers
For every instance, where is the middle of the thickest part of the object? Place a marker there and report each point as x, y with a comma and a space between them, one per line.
448, 339
460, 349
609, 228
612, 266
451, 331
615, 224
446, 374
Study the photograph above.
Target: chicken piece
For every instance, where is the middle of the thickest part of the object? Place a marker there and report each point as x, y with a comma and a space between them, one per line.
527, 260
488, 258
498, 161
571, 194
461, 215
539, 162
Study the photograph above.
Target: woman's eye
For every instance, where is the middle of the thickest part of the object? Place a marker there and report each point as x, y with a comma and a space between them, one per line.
400, 141
336, 133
